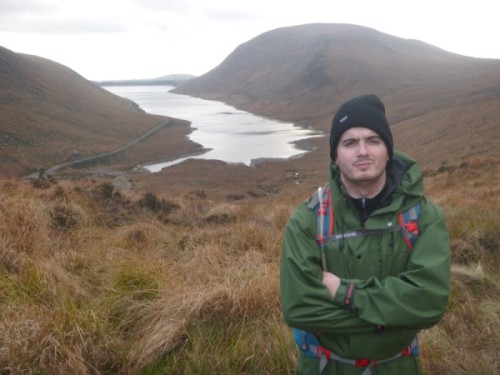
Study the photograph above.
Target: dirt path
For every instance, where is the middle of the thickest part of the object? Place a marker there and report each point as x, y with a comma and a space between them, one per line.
52, 170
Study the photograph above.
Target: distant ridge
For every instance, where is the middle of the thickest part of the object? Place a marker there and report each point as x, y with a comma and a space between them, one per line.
170, 80
303, 73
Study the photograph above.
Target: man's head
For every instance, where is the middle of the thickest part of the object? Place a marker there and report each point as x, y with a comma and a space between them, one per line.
365, 111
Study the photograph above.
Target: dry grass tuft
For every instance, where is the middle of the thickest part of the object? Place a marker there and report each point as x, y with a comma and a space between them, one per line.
467, 340
98, 281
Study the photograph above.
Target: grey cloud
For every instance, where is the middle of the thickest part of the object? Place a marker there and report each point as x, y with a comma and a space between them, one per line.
57, 26
39, 16
229, 15
24, 7
174, 6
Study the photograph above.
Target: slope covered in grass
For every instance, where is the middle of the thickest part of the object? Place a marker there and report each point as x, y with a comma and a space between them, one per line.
98, 281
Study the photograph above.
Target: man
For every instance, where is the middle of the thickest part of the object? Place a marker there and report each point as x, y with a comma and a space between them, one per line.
358, 300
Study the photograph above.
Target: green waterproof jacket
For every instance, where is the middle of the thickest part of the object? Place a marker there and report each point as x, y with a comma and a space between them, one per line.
399, 290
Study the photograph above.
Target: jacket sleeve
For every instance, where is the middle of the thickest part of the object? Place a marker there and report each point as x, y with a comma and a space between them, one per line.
306, 302
416, 298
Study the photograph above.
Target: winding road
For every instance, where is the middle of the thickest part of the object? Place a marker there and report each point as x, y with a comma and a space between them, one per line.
52, 170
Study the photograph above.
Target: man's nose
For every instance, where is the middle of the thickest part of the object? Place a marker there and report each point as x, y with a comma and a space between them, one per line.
362, 150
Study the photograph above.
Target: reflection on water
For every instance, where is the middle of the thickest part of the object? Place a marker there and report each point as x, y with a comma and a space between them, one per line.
228, 134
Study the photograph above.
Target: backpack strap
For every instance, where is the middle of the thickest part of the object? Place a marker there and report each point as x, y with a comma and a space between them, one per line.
321, 203
408, 221
310, 347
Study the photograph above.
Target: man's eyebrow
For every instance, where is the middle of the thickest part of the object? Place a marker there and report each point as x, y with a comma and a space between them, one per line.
359, 138
350, 139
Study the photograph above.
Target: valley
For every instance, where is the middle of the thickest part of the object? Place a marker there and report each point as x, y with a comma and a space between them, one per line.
107, 269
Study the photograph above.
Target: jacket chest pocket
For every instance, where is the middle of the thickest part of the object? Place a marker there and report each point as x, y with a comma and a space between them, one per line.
370, 256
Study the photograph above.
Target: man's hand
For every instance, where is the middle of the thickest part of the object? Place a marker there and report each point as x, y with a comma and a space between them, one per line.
332, 282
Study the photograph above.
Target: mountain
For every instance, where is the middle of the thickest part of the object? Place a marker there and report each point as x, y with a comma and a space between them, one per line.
49, 114
442, 106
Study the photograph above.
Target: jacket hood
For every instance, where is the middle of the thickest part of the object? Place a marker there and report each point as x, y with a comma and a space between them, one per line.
411, 183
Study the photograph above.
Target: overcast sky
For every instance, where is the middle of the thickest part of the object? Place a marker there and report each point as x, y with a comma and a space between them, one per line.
125, 39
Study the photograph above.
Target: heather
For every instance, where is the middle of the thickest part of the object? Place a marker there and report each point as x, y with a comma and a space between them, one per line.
97, 280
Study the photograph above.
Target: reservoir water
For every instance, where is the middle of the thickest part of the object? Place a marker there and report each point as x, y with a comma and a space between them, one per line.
229, 134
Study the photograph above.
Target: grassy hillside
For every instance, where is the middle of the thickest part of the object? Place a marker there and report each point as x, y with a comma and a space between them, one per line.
443, 106
99, 281
49, 115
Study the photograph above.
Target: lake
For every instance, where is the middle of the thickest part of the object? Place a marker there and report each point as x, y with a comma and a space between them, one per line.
229, 134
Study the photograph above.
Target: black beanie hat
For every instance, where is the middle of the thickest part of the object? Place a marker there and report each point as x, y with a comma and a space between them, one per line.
365, 111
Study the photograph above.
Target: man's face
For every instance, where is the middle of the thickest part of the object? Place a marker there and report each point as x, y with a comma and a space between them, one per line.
362, 157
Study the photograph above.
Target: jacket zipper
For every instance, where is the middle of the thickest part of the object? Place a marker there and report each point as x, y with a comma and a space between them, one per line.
363, 215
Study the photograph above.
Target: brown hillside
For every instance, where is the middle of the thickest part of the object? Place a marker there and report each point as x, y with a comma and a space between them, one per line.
180, 274
49, 115
443, 106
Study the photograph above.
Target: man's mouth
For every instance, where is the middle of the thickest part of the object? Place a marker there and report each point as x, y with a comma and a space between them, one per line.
362, 164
